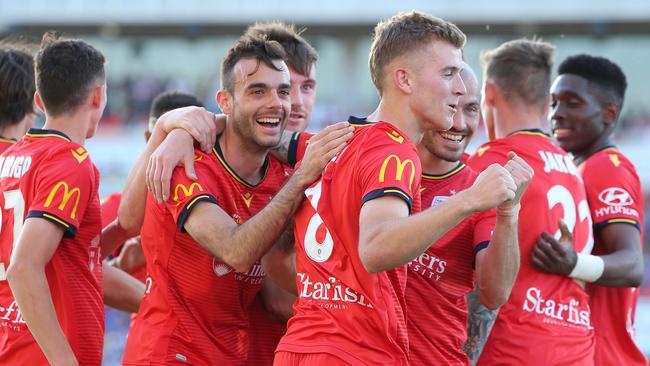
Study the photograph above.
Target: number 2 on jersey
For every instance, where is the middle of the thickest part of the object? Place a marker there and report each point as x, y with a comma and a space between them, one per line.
560, 195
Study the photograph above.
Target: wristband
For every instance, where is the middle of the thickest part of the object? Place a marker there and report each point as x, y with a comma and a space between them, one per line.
588, 268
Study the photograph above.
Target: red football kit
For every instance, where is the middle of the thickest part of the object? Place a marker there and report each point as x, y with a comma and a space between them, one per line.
46, 175
546, 320
614, 196
264, 334
6, 143
342, 310
195, 308
440, 278
110, 206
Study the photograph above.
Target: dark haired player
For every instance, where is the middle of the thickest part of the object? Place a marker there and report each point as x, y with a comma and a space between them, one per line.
50, 267
587, 97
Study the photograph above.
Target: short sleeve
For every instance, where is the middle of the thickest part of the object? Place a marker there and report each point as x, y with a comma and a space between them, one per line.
186, 193
64, 185
483, 229
388, 165
297, 147
613, 192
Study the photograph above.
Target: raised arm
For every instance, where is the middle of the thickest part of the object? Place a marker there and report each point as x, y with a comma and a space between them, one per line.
497, 266
389, 238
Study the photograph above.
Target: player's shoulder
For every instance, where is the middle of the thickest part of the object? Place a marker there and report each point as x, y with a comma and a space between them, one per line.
609, 158
60, 154
383, 135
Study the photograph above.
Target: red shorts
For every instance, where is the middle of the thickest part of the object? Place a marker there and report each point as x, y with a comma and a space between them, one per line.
283, 358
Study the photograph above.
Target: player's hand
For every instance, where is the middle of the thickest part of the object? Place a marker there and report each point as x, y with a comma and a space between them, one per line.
522, 174
491, 188
321, 149
177, 149
131, 255
555, 256
202, 125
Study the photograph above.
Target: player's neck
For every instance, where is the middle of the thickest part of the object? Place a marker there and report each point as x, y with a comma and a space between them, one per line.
511, 119
432, 164
243, 156
399, 116
18, 130
604, 141
75, 126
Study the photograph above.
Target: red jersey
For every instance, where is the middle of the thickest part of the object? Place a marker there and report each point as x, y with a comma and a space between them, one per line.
342, 309
46, 175
614, 196
264, 335
546, 320
440, 278
6, 143
110, 206
195, 308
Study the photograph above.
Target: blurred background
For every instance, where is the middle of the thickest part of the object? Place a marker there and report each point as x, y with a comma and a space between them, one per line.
157, 45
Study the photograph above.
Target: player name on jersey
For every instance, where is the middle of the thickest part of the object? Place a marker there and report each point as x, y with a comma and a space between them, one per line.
14, 166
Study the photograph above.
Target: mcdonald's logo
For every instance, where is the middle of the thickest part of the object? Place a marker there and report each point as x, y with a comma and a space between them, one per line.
399, 168
186, 191
67, 194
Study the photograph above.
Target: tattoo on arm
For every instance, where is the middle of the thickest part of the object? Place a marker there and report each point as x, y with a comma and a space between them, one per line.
479, 324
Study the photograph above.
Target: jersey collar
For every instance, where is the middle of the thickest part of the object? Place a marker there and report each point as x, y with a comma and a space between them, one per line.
38, 132
219, 154
531, 131
359, 122
450, 173
8, 139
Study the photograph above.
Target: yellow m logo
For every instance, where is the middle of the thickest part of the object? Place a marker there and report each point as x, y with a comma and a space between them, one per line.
186, 191
399, 171
67, 194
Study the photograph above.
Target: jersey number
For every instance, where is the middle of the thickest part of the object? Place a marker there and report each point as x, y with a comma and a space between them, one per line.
13, 200
560, 195
318, 251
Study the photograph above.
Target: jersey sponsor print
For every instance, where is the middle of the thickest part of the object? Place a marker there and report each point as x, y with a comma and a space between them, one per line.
440, 278
47, 176
545, 311
615, 197
195, 309
343, 310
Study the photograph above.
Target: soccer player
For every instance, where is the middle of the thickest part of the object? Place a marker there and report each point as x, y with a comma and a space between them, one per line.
203, 245
484, 243
129, 257
50, 293
353, 236
268, 315
587, 97
17, 88
546, 320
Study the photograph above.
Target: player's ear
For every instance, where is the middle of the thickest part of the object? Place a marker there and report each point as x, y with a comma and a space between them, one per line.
402, 80
224, 100
98, 95
489, 93
38, 101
